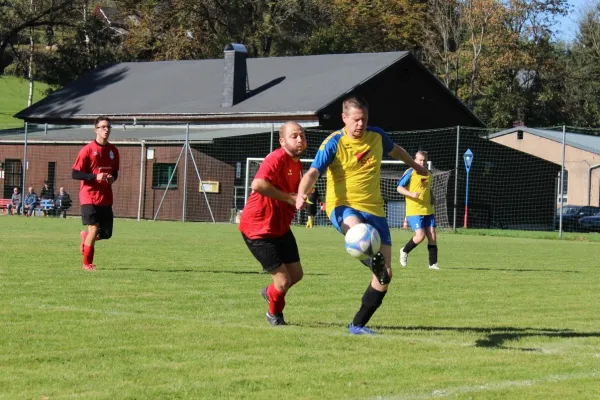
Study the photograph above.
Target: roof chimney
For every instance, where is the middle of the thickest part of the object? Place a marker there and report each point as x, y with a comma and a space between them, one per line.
236, 74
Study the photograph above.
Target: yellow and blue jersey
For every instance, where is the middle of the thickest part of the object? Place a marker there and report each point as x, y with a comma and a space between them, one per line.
414, 182
353, 169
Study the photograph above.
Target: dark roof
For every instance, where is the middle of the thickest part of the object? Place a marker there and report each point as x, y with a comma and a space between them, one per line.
286, 86
129, 134
590, 143
113, 16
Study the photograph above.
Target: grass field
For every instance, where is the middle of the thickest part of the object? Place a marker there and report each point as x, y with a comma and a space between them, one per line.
13, 98
174, 312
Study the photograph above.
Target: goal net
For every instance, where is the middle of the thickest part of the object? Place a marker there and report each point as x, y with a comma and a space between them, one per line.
394, 202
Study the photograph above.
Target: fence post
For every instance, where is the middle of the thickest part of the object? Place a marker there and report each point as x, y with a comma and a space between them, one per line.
456, 178
142, 159
562, 184
185, 165
272, 135
23, 191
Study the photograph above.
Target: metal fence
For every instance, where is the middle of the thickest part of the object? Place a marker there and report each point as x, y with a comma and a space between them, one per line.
521, 178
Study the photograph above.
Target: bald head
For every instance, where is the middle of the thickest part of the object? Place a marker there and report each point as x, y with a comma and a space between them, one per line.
292, 139
289, 126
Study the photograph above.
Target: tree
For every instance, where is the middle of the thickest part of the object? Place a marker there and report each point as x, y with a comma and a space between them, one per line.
582, 91
18, 16
368, 26
443, 37
90, 45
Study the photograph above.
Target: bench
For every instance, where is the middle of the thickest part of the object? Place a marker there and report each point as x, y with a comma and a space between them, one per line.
3, 204
44, 205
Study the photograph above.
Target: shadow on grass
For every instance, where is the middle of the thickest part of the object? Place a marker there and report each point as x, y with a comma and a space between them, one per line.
199, 271
495, 338
566, 271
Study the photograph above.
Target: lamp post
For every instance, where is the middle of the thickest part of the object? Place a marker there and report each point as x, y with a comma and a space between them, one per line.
468, 157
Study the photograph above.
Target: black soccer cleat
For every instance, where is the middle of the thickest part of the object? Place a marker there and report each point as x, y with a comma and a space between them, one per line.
276, 320
379, 270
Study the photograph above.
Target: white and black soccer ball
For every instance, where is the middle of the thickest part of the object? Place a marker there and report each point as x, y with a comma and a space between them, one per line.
362, 241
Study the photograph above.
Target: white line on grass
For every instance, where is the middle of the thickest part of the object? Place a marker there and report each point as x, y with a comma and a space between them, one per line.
447, 392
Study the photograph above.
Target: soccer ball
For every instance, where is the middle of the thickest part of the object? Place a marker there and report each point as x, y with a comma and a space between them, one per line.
362, 241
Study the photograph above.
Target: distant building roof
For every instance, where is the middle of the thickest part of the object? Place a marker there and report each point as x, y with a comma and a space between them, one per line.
294, 87
130, 134
580, 141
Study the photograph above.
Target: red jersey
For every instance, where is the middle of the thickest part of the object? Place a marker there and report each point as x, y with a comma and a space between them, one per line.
94, 159
265, 217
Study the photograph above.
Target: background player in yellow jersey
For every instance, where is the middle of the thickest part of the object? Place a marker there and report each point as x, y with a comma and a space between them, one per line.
419, 211
352, 158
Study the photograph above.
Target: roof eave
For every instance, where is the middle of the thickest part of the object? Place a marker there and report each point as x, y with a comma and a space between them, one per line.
207, 118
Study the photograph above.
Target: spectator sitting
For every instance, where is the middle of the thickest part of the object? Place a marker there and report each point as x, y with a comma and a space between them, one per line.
30, 202
62, 203
47, 194
15, 202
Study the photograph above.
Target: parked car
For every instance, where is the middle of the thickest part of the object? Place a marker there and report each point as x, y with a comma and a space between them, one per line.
591, 223
572, 214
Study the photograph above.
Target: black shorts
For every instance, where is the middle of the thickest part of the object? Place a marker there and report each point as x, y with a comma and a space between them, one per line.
98, 215
272, 252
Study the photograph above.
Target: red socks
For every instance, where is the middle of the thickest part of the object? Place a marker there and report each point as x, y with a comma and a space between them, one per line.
276, 300
88, 254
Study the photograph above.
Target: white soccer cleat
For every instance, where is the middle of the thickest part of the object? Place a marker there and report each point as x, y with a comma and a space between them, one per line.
403, 258
434, 266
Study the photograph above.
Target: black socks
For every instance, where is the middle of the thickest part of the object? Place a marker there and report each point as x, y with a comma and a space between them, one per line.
371, 301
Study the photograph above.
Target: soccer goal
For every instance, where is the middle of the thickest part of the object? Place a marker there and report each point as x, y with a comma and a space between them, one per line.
391, 172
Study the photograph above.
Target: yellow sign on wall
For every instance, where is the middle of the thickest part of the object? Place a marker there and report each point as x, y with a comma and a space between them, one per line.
209, 187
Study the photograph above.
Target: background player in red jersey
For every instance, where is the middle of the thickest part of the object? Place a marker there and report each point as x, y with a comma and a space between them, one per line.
97, 166
266, 219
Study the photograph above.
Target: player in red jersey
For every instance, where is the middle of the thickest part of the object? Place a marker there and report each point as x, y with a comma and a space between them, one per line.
266, 219
97, 167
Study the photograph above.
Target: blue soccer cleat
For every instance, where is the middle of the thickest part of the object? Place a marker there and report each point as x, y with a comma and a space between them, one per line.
360, 330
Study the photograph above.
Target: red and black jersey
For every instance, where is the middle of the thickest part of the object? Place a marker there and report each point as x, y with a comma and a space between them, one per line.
265, 217
94, 159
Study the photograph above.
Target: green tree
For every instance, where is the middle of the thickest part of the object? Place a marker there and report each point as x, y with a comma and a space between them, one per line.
582, 60
17, 17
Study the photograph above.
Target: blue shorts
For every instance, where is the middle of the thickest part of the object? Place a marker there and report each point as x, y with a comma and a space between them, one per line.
380, 223
421, 221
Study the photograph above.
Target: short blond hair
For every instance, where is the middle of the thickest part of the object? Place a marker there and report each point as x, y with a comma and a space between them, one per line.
354, 102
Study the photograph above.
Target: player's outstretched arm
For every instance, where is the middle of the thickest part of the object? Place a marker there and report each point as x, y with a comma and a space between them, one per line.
400, 154
306, 184
265, 188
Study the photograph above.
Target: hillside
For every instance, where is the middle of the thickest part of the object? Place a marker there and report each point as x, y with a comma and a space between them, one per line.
13, 98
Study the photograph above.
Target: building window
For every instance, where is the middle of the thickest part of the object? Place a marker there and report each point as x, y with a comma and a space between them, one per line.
520, 135
161, 173
51, 174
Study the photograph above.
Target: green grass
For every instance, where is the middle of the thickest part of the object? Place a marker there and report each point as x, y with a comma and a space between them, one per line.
553, 235
13, 98
174, 312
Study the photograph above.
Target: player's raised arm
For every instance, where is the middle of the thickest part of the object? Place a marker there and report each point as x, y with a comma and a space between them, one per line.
306, 184
265, 188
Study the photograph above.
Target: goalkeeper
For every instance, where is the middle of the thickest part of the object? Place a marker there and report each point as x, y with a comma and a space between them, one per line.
312, 201
419, 211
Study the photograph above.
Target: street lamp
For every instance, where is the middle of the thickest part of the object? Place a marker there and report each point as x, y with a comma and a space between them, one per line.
468, 157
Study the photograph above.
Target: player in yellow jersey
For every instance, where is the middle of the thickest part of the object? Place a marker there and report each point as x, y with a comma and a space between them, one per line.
352, 158
419, 211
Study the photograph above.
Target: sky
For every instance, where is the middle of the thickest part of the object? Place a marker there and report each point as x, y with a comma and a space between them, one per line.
567, 26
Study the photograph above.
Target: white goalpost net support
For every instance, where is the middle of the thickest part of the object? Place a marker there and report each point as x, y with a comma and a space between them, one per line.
394, 204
